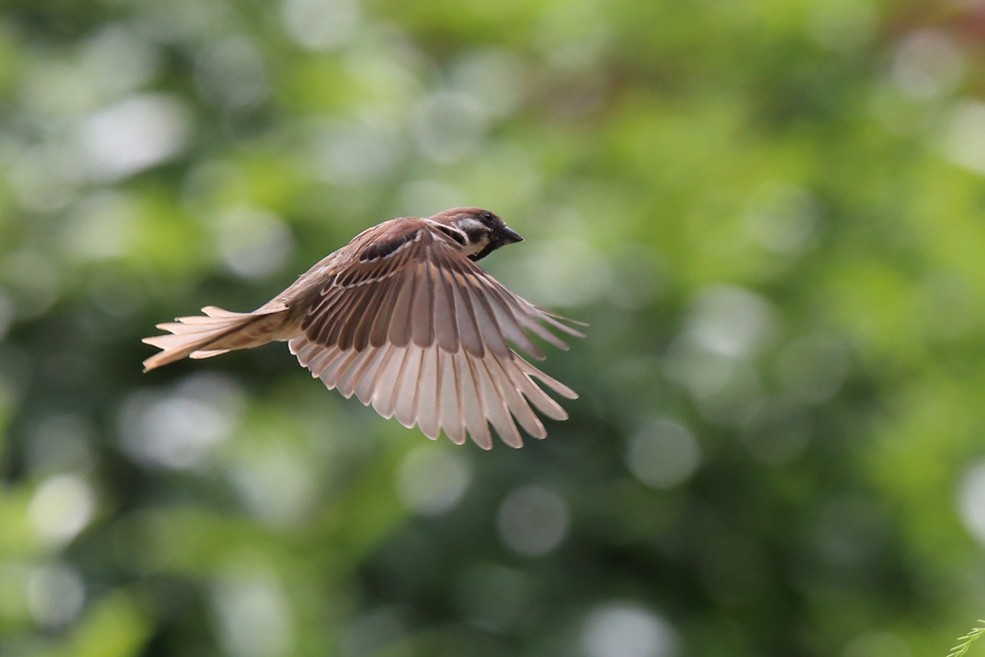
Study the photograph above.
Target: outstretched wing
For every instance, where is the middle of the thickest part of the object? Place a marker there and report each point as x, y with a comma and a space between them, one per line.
417, 330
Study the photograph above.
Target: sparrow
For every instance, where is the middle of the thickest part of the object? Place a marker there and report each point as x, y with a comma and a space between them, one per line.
403, 318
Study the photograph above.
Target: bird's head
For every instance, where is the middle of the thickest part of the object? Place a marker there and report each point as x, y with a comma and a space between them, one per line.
480, 232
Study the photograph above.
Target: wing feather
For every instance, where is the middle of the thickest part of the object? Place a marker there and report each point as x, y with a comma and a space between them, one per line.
367, 378
408, 389
474, 413
380, 327
506, 317
327, 325
449, 404
355, 327
544, 402
440, 391
332, 371
445, 325
386, 381
350, 378
422, 306
489, 328
519, 406
401, 322
494, 402
465, 318
428, 394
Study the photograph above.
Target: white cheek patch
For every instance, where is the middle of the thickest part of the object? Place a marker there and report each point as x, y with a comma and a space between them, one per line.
478, 235
471, 234
472, 226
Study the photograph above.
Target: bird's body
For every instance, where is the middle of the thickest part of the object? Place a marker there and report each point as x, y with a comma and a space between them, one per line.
403, 318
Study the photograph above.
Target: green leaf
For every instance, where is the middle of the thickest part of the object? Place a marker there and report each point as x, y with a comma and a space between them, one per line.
964, 643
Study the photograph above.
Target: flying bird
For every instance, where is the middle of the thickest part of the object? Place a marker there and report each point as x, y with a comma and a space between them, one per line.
403, 318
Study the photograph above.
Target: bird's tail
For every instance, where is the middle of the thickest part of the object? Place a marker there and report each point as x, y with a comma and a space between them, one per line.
216, 333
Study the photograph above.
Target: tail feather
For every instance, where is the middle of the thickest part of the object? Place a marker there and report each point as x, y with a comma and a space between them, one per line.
216, 333
207, 354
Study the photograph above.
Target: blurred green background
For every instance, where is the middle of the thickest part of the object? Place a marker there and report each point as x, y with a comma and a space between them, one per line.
771, 213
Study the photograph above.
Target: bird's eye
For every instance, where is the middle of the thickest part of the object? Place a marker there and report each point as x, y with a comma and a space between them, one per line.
486, 217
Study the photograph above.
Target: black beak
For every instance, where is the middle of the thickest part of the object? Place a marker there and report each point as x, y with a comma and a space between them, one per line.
509, 236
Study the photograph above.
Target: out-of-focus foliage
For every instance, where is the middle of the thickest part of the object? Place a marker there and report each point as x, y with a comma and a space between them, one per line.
968, 640
771, 213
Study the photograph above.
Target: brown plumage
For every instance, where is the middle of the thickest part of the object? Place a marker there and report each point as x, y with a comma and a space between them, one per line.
404, 319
